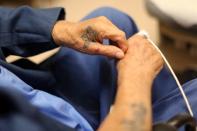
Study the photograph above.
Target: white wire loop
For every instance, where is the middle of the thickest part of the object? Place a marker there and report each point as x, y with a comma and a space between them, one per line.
146, 36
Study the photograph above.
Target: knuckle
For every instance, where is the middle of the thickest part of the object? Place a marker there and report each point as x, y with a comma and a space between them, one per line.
102, 34
121, 36
97, 49
103, 19
138, 37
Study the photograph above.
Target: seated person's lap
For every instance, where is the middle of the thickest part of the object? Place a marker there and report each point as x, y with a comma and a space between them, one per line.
89, 82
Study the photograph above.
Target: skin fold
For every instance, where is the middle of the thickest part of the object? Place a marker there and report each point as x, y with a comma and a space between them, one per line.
139, 63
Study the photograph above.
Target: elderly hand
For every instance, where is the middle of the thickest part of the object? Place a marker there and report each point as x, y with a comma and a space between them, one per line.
136, 71
87, 37
142, 60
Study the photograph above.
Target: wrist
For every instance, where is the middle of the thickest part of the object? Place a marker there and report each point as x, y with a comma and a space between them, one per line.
126, 96
133, 87
141, 77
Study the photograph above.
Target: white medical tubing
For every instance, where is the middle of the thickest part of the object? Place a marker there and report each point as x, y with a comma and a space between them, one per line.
145, 34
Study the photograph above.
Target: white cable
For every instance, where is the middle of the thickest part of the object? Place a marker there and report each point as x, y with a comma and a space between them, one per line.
145, 34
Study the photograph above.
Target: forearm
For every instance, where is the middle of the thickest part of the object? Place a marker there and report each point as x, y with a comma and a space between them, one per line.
136, 72
132, 109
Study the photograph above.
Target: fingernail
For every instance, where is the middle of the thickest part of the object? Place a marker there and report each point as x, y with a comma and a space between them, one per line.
119, 54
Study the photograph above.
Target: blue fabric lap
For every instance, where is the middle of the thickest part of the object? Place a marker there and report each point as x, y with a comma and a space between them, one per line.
173, 103
163, 84
51, 105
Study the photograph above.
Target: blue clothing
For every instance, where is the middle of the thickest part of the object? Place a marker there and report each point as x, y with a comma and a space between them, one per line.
74, 88
51, 105
17, 114
45, 76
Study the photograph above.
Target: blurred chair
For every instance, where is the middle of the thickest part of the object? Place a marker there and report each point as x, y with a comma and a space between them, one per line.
177, 22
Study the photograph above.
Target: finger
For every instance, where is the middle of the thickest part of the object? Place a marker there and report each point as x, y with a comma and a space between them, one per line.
106, 50
110, 31
119, 41
106, 29
118, 37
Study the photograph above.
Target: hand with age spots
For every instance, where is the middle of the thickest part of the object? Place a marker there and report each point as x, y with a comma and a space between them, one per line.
132, 109
87, 37
141, 58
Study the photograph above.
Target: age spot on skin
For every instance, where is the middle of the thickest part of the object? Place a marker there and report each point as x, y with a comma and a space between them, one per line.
137, 122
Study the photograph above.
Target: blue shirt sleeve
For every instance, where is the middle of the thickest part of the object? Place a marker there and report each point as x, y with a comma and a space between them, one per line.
26, 31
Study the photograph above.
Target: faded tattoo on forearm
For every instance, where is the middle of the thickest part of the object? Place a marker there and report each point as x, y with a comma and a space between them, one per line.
138, 118
89, 36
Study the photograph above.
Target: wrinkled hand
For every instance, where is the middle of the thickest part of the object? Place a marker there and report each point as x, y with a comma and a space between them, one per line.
141, 60
88, 35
